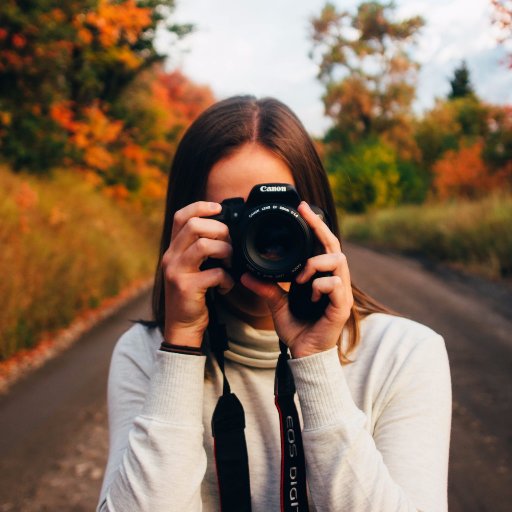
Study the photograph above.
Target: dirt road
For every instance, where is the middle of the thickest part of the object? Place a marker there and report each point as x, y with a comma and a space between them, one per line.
53, 434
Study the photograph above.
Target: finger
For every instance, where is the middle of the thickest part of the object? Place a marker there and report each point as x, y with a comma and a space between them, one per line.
214, 277
332, 262
196, 228
202, 249
273, 294
197, 209
331, 286
320, 228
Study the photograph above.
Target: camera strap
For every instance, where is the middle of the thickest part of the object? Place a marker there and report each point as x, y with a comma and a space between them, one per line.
293, 468
228, 425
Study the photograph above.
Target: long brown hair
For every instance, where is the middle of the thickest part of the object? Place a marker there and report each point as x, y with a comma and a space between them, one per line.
215, 134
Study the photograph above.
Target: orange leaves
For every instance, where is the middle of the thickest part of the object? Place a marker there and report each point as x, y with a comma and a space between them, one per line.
57, 216
117, 192
108, 152
98, 157
26, 197
154, 189
134, 153
92, 134
179, 100
98, 126
115, 22
62, 114
187, 98
464, 174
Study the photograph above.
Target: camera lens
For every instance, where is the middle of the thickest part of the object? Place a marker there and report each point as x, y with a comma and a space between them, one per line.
276, 241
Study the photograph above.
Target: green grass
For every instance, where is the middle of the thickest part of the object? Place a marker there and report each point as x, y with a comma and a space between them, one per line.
475, 236
64, 248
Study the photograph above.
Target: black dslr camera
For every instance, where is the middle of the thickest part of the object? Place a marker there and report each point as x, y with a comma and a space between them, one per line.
272, 241
270, 238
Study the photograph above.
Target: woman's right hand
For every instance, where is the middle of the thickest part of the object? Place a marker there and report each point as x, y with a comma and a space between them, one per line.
194, 239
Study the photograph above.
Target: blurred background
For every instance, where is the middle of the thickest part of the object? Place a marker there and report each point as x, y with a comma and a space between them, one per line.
410, 105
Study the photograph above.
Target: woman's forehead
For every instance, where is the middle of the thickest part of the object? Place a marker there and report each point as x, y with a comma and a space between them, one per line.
236, 175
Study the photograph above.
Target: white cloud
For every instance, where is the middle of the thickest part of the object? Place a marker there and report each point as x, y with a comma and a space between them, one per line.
262, 48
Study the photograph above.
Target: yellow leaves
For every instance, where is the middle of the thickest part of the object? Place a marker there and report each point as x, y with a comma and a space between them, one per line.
126, 56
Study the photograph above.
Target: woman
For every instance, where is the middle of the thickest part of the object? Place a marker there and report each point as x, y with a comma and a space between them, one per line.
374, 389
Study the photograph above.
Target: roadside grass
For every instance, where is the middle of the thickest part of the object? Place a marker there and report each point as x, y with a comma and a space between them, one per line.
475, 236
64, 248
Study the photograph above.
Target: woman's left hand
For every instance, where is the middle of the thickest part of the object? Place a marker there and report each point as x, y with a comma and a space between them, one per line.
305, 339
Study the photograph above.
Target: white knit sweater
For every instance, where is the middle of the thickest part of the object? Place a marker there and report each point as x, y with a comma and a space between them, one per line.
376, 432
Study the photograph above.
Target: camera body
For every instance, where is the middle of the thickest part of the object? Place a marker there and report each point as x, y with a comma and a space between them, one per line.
270, 238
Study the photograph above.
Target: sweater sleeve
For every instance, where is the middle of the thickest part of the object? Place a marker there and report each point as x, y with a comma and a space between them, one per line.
156, 457
403, 465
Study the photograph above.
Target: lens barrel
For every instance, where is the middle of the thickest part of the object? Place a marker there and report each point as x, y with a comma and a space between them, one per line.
275, 241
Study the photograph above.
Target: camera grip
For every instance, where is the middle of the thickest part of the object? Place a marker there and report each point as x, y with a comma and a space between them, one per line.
299, 300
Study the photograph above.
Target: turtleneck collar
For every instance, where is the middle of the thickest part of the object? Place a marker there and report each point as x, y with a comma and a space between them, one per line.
258, 348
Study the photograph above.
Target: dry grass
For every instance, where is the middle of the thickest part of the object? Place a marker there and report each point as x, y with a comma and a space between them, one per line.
64, 248
474, 235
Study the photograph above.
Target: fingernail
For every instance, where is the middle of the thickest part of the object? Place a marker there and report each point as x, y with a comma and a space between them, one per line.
214, 206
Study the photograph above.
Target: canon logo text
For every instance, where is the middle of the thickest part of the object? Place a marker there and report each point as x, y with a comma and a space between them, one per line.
264, 188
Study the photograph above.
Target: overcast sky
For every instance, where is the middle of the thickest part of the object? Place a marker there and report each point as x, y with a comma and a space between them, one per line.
261, 47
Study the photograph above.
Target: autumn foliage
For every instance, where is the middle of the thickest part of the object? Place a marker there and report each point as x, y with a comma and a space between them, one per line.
380, 153
82, 86
462, 173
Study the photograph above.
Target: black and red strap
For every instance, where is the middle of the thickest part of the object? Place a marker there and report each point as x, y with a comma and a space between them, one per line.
293, 467
230, 447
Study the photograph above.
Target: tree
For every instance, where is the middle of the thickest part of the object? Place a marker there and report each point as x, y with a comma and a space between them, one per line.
463, 173
497, 151
450, 125
368, 74
460, 83
76, 56
366, 178
502, 20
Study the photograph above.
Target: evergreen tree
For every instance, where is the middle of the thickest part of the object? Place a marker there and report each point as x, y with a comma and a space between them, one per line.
461, 83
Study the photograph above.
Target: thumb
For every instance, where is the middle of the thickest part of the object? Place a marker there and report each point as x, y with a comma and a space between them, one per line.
272, 293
